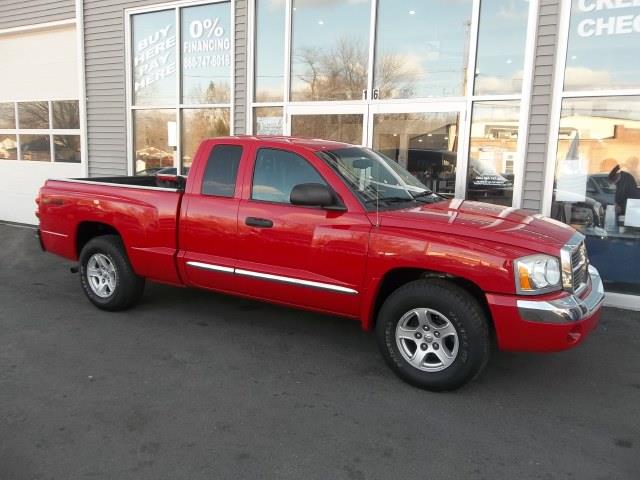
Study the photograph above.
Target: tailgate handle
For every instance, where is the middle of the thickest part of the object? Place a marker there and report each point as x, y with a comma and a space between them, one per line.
258, 222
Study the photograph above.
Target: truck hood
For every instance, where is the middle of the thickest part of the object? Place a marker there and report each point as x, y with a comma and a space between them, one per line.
508, 226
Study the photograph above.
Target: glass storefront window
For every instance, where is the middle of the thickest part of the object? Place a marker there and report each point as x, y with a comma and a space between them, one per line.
65, 114
150, 136
329, 53
198, 124
206, 54
153, 58
421, 48
33, 115
8, 147
35, 148
7, 115
66, 148
202, 97
426, 144
269, 50
267, 121
604, 45
339, 127
501, 44
493, 150
597, 134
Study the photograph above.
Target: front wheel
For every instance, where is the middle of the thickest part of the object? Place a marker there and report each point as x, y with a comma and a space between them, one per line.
106, 274
433, 334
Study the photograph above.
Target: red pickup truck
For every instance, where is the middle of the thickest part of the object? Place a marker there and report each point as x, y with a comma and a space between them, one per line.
339, 229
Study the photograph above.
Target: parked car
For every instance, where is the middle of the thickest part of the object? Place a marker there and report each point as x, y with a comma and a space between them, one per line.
338, 229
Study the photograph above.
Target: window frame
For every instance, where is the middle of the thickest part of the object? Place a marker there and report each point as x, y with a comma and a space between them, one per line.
177, 106
558, 95
621, 300
465, 101
47, 132
289, 204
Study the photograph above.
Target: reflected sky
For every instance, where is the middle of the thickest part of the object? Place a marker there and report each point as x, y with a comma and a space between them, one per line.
602, 57
270, 27
421, 47
329, 49
153, 58
501, 46
206, 53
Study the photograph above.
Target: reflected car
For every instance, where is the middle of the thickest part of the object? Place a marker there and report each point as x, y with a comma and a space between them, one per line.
587, 212
162, 171
599, 189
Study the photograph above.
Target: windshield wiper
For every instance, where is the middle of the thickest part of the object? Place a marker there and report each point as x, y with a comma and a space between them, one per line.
390, 200
427, 197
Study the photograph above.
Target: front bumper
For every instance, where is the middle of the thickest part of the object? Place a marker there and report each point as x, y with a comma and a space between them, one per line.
547, 324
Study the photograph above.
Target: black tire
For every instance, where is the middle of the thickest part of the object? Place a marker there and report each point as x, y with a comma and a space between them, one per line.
460, 309
128, 286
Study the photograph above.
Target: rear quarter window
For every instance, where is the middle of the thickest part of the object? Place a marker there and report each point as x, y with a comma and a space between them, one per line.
222, 171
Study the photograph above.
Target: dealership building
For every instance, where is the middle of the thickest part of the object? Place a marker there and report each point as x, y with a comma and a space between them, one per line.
523, 103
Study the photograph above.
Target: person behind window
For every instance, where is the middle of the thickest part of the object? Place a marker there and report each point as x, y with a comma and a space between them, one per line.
626, 188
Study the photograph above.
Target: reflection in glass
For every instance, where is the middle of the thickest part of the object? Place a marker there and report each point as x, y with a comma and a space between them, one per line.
267, 121
493, 151
501, 44
595, 135
66, 148
153, 53
151, 149
269, 50
329, 53
33, 115
7, 115
604, 46
422, 48
206, 53
277, 172
35, 148
8, 147
341, 128
65, 114
198, 124
426, 144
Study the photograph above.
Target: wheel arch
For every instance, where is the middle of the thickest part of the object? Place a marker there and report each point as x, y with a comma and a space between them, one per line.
88, 230
397, 277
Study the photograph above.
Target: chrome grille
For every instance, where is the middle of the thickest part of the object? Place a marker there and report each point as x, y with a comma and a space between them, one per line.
579, 267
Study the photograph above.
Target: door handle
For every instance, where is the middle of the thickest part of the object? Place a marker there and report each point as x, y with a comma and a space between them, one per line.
258, 222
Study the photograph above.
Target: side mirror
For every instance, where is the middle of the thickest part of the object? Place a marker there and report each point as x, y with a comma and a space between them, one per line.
315, 195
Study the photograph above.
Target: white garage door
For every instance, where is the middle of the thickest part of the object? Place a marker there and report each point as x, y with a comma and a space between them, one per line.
39, 116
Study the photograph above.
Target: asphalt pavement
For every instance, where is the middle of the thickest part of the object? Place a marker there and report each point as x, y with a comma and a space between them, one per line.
194, 385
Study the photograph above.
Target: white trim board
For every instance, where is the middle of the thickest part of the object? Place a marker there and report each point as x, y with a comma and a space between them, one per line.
38, 26
623, 301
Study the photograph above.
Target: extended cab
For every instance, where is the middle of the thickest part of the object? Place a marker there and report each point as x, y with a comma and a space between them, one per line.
339, 229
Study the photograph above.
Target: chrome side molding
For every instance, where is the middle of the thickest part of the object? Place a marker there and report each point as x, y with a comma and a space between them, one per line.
273, 278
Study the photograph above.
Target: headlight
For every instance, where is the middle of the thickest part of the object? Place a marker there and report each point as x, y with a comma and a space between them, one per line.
537, 274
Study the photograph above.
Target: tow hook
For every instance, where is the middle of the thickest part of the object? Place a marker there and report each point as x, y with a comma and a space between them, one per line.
74, 269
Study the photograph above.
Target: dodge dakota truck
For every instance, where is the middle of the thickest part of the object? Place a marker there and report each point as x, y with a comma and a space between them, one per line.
339, 229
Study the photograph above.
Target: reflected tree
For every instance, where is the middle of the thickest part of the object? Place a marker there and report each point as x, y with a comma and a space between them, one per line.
340, 72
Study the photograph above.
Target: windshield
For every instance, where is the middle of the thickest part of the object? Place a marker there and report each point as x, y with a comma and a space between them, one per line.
376, 179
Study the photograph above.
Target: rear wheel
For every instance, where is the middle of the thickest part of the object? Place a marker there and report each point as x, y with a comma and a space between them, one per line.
106, 274
433, 334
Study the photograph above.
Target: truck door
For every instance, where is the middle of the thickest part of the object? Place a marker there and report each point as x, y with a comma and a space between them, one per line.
208, 224
304, 256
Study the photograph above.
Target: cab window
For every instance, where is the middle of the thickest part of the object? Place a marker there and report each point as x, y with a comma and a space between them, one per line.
222, 170
276, 172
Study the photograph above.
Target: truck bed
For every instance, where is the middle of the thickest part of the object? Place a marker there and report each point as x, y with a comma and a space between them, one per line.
171, 182
143, 210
